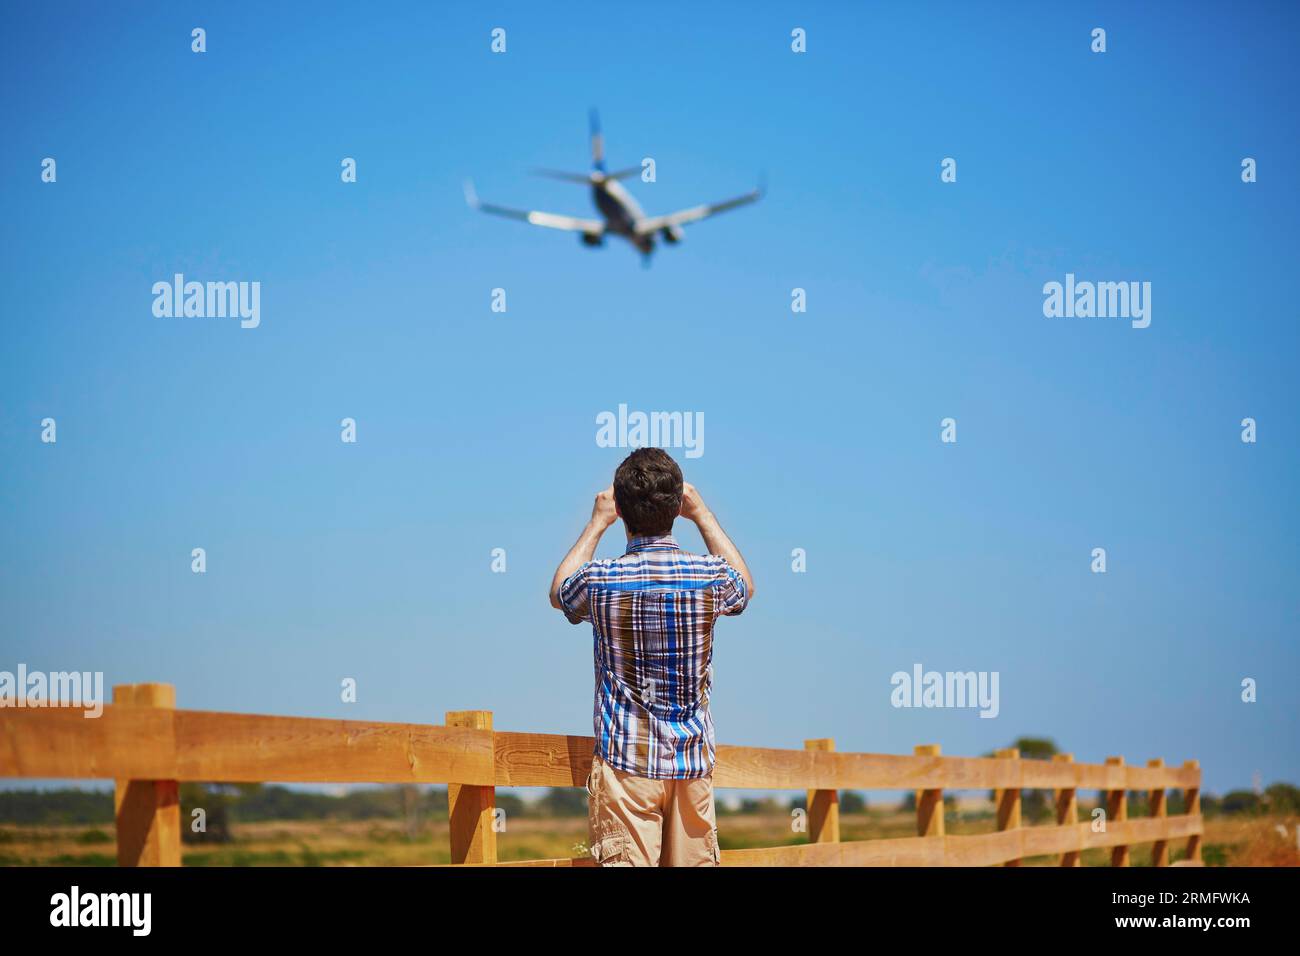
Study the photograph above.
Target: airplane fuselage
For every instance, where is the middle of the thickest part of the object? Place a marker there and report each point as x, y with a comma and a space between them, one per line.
621, 213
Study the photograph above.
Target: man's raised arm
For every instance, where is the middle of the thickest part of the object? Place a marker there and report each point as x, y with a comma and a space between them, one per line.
603, 514
715, 539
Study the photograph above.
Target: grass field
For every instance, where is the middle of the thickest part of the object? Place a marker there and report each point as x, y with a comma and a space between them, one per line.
1228, 841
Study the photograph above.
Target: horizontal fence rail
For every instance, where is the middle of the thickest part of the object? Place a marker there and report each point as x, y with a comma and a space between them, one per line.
148, 747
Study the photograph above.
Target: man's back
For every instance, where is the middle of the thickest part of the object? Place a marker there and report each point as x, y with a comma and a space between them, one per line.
652, 612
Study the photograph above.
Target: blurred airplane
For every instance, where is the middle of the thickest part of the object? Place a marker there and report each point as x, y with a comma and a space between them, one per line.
621, 216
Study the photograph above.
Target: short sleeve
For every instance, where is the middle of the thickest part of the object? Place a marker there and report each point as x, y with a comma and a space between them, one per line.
575, 596
731, 595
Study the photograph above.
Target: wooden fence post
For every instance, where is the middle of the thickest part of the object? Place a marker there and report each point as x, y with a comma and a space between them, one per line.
1156, 798
823, 805
1192, 801
1117, 812
471, 810
147, 813
929, 803
1008, 800
1067, 811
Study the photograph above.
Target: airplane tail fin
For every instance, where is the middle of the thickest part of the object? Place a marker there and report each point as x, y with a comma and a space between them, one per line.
597, 143
598, 174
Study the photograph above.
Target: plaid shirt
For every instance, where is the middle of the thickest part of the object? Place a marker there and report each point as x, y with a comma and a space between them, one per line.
652, 613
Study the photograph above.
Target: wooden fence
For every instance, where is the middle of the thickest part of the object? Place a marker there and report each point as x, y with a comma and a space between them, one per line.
148, 747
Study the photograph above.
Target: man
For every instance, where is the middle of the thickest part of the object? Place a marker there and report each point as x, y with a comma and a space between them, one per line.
652, 613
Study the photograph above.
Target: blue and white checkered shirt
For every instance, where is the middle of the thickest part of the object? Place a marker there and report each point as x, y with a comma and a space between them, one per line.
652, 613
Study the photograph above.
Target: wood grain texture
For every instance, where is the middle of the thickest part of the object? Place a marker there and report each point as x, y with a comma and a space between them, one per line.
983, 849
1067, 812
223, 747
555, 760
577, 861
147, 813
1156, 800
251, 747
542, 760
1117, 812
929, 803
471, 808
1192, 801
823, 805
146, 744
60, 742
1007, 800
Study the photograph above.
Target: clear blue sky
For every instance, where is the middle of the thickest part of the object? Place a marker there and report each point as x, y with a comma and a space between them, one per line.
477, 430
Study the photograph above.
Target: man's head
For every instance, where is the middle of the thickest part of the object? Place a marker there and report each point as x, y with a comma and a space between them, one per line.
648, 491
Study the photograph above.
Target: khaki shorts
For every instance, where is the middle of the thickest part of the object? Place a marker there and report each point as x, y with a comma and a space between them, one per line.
634, 821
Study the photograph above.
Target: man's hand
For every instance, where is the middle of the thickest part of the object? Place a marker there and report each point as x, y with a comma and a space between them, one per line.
693, 508
604, 512
715, 539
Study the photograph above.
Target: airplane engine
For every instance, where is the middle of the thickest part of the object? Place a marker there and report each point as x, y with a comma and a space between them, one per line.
590, 240
672, 234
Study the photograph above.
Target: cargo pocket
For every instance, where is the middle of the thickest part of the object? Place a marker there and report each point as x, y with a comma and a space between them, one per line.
714, 850
611, 849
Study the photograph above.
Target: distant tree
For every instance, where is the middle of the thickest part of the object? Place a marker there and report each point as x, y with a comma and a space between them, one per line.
1242, 801
214, 801
1036, 748
563, 802
1035, 805
768, 805
1136, 804
514, 806
852, 801
412, 817
907, 803
437, 800
1282, 798
47, 807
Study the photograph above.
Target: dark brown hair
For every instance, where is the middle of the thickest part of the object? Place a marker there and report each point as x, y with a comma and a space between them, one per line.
648, 491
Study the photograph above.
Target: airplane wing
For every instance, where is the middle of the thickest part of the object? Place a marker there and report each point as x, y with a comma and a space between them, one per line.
591, 227
654, 223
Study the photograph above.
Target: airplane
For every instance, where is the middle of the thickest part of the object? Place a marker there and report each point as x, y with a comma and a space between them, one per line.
621, 216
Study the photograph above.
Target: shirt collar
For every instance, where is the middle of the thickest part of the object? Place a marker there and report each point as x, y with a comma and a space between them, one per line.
653, 542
